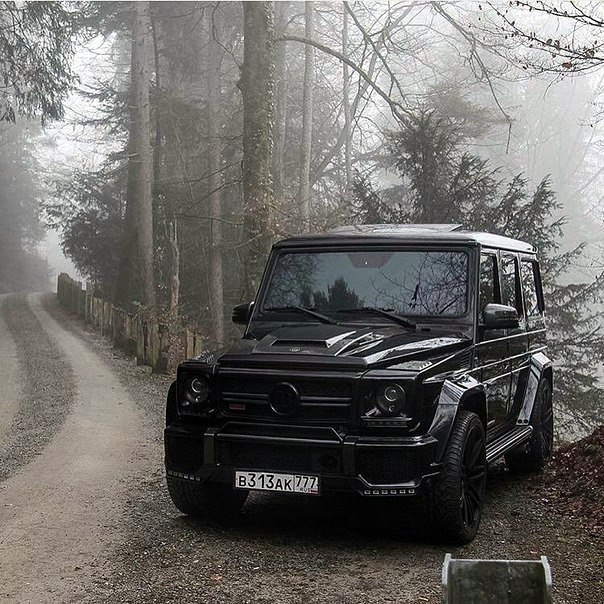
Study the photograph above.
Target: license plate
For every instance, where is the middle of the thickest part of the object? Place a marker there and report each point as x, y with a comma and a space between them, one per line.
283, 483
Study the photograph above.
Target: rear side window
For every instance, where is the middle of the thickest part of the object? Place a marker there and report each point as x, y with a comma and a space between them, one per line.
529, 284
510, 290
488, 281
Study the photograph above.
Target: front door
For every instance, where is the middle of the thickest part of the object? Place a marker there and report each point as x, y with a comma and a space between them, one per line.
492, 349
518, 344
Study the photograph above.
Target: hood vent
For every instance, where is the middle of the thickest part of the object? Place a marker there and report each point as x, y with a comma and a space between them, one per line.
300, 343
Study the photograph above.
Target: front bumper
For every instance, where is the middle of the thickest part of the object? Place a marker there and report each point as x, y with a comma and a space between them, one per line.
368, 466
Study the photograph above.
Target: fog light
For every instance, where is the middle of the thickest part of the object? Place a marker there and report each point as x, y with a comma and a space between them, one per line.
390, 399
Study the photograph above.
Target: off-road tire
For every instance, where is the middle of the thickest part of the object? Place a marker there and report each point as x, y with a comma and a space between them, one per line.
216, 502
456, 498
533, 455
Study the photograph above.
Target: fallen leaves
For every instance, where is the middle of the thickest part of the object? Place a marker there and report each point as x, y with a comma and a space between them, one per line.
574, 481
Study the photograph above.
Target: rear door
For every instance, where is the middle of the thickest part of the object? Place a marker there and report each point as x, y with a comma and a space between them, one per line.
534, 321
533, 303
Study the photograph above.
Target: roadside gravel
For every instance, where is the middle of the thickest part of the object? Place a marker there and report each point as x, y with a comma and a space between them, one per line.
305, 550
46, 387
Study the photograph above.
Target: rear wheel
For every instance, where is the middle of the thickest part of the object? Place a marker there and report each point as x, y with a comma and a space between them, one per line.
532, 456
216, 502
456, 499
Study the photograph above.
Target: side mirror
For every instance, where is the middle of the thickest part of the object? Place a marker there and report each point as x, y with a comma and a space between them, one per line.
499, 316
242, 313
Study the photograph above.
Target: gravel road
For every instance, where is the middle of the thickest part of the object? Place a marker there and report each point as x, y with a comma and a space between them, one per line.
84, 514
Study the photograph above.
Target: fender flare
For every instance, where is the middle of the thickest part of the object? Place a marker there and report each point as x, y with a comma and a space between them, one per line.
541, 368
463, 392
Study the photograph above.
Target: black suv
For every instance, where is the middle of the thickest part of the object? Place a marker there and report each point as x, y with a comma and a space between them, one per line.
386, 360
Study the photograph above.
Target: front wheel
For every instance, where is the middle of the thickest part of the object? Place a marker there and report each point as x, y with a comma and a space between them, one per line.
216, 502
456, 498
532, 456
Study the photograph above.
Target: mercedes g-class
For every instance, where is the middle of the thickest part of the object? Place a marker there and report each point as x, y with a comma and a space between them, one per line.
384, 360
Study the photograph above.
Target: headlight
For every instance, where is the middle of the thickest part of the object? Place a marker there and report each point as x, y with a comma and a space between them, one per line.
390, 399
197, 390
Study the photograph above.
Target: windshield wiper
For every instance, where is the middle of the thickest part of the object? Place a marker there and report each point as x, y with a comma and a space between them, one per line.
302, 309
384, 312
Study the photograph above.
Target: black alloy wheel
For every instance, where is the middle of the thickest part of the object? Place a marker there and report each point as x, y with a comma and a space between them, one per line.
547, 422
533, 455
456, 499
215, 502
474, 475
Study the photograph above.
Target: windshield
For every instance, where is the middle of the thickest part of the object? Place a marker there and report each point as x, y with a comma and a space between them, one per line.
409, 282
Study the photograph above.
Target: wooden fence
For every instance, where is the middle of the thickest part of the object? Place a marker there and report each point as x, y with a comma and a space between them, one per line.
147, 339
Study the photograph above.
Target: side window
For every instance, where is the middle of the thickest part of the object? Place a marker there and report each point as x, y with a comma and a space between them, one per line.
531, 299
488, 281
510, 284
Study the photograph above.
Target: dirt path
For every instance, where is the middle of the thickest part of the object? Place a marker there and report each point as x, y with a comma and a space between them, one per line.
9, 376
89, 519
61, 515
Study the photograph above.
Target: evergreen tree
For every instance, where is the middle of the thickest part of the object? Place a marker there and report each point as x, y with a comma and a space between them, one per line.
35, 50
444, 183
88, 210
21, 267
368, 206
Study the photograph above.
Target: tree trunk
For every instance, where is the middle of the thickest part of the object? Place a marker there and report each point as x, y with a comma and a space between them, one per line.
174, 272
129, 284
126, 284
347, 112
257, 86
216, 298
279, 133
140, 157
307, 111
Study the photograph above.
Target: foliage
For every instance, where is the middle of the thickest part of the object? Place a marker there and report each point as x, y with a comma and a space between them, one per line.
441, 180
35, 51
443, 183
21, 267
88, 210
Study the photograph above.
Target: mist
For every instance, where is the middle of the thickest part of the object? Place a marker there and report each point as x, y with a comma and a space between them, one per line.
147, 184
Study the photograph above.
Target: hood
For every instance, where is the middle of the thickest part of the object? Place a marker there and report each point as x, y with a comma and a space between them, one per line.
349, 345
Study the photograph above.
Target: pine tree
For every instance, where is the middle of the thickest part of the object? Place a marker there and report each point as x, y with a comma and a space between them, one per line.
36, 46
444, 183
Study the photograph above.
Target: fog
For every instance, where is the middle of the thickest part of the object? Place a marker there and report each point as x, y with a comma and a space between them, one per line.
131, 164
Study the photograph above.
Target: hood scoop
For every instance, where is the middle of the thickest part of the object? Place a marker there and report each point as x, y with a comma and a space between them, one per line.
299, 343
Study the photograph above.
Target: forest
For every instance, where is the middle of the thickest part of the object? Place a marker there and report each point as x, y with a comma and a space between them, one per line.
168, 144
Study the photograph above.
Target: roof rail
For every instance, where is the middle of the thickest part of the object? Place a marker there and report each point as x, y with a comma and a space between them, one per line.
442, 228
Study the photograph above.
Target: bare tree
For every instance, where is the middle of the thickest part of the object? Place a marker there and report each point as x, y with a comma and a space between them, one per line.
347, 112
257, 87
137, 241
174, 280
281, 91
307, 111
140, 159
216, 297
568, 39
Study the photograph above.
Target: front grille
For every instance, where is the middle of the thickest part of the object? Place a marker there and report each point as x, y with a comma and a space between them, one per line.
183, 454
324, 400
282, 458
390, 466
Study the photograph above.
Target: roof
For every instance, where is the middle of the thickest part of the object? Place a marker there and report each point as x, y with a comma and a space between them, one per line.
408, 233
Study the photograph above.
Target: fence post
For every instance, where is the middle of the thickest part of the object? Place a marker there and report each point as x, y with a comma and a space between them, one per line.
140, 341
